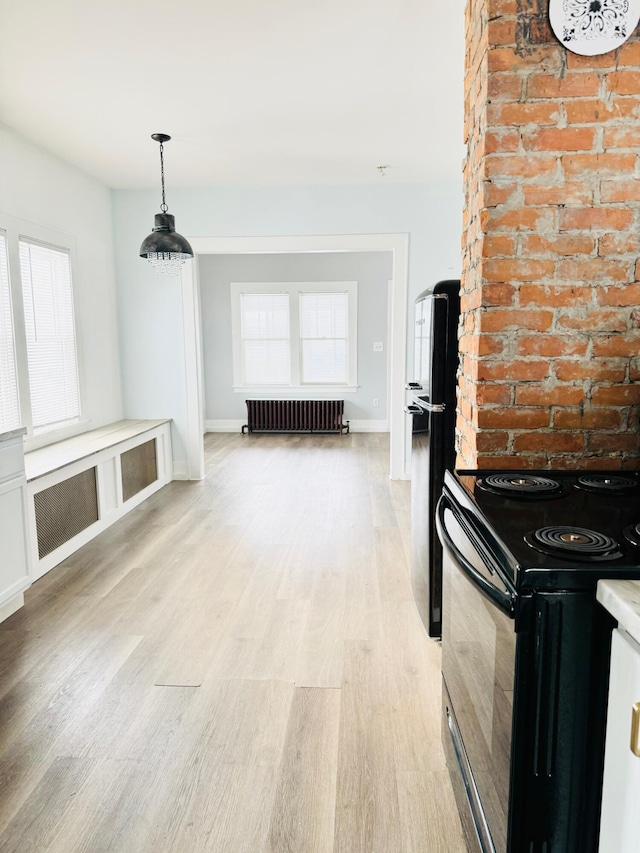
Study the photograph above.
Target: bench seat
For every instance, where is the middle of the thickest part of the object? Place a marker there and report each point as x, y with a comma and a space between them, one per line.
63, 453
80, 486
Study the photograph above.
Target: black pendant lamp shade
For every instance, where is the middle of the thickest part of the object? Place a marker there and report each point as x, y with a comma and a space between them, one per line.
164, 248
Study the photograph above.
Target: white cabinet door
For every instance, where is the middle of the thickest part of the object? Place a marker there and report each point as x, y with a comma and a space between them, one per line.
620, 821
14, 540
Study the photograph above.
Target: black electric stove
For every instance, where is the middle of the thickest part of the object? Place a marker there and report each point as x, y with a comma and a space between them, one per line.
525, 648
557, 528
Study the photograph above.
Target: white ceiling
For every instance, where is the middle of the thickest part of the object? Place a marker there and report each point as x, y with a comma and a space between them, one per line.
265, 92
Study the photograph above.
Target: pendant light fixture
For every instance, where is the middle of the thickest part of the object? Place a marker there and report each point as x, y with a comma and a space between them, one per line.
164, 248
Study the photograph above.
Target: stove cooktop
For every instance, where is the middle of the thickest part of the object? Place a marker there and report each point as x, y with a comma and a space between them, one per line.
558, 521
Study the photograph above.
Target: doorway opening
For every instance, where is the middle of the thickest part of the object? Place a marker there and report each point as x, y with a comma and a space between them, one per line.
397, 244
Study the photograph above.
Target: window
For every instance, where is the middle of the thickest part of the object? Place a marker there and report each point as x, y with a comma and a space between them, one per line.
9, 406
324, 337
294, 335
50, 334
39, 383
265, 338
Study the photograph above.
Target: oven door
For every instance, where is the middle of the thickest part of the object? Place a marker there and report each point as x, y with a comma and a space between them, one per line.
478, 667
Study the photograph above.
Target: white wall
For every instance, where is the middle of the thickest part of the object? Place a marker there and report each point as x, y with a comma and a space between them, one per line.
371, 270
38, 188
150, 311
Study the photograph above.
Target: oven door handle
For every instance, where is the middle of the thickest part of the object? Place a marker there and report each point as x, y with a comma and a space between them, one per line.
434, 407
504, 599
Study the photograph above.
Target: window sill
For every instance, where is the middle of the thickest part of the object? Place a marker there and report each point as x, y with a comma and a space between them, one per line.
49, 435
288, 390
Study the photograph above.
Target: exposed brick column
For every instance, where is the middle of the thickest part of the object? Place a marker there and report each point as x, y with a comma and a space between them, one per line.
551, 301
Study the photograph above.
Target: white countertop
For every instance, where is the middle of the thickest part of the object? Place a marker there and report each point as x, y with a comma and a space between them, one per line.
622, 600
12, 433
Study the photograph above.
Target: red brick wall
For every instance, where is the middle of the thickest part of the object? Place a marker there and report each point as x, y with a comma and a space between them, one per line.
550, 342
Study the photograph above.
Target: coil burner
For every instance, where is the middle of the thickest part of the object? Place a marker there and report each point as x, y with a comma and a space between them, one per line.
632, 534
612, 484
528, 486
571, 542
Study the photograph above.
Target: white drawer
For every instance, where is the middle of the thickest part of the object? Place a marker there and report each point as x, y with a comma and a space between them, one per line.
11, 459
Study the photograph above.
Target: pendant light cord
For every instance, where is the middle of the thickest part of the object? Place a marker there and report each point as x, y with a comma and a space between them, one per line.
163, 207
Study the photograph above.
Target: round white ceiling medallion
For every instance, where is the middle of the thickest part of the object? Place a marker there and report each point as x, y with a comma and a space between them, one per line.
592, 27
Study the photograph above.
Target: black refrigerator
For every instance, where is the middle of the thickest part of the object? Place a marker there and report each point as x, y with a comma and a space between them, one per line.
432, 407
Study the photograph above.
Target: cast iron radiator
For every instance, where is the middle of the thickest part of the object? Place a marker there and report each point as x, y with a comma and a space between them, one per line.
295, 416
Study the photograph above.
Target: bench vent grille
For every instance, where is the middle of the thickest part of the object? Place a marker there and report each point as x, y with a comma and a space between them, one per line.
64, 510
139, 468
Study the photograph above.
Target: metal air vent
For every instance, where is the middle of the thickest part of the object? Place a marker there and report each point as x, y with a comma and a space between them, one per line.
64, 510
139, 468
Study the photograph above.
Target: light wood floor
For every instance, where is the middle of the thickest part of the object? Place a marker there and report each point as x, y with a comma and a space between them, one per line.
235, 666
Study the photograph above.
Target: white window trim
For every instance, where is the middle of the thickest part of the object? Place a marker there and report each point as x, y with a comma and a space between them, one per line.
293, 289
16, 229
10, 348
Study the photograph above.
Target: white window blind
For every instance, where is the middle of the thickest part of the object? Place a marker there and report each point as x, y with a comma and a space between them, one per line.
324, 324
264, 319
9, 405
50, 333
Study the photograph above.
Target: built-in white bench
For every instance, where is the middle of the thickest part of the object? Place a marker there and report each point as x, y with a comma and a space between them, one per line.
78, 487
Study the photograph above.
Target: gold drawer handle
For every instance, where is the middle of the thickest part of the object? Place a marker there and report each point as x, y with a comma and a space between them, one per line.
635, 729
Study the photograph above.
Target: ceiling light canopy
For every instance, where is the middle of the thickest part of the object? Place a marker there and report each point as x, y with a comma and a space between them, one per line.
164, 248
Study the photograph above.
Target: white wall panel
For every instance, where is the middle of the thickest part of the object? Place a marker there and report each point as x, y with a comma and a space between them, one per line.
38, 188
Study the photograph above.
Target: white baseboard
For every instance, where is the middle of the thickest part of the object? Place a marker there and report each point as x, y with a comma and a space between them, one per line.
180, 470
224, 425
373, 425
10, 607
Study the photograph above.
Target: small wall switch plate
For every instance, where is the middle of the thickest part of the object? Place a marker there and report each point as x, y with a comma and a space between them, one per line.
378, 346
375, 403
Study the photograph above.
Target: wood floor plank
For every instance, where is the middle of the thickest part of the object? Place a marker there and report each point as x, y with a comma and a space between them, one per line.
225, 820
35, 825
221, 787
278, 654
192, 643
426, 804
303, 812
110, 811
367, 810
392, 565
414, 691
322, 645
